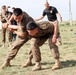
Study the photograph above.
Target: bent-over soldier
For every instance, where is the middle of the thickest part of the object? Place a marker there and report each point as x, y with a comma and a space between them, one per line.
39, 34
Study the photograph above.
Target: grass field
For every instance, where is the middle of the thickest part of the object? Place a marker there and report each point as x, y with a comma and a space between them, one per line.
67, 56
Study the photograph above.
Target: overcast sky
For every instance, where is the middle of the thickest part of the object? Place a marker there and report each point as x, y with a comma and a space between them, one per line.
35, 7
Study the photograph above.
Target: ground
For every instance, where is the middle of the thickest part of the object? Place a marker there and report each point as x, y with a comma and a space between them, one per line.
67, 56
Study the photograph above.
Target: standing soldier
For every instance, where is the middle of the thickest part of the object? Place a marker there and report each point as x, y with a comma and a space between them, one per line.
4, 17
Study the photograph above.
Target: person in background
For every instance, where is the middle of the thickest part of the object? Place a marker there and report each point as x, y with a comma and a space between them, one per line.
52, 14
4, 17
13, 22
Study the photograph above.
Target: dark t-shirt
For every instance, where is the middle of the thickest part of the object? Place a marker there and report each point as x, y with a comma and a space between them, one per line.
51, 13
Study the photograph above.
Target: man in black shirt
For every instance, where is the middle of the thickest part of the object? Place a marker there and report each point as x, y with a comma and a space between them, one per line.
51, 13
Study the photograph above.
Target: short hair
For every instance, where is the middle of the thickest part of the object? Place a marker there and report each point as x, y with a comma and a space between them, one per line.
46, 3
13, 7
31, 25
3, 7
17, 12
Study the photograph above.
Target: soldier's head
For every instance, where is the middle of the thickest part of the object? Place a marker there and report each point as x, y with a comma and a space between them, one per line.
18, 14
46, 4
32, 28
4, 8
13, 8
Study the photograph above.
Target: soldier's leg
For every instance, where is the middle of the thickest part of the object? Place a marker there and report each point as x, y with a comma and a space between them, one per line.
29, 60
35, 43
3, 37
55, 52
14, 36
10, 39
59, 39
14, 50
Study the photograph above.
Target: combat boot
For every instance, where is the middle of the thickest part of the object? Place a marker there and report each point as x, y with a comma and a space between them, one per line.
10, 44
60, 42
57, 65
6, 64
3, 45
28, 63
37, 66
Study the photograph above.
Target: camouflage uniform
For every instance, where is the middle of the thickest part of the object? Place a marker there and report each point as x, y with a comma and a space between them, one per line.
3, 20
20, 41
46, 30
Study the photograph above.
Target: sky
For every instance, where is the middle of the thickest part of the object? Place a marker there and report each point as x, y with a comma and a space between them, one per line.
35, 7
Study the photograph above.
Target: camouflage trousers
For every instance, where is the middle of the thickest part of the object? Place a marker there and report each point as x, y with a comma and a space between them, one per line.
35, 50
4, 35
15, 48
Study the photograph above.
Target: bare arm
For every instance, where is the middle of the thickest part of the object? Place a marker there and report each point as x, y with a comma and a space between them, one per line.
56, 30
39, 18
21, 34
59, 15
10, 19
14, 29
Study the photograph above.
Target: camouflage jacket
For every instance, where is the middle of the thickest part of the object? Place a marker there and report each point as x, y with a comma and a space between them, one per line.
45, 29
4, 17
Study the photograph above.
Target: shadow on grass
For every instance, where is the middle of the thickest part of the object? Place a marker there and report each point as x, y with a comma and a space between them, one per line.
68, 63
68, 43
21, 65
64, 64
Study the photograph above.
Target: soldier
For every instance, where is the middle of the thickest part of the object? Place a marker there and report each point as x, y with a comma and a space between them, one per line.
13, 8
52, 14
22, 19
40, 33
4, 16
46, 31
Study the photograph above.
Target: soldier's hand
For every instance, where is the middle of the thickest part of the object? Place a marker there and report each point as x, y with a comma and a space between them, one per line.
54, 40
13, 27
35, 20
5, 25
11, 30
